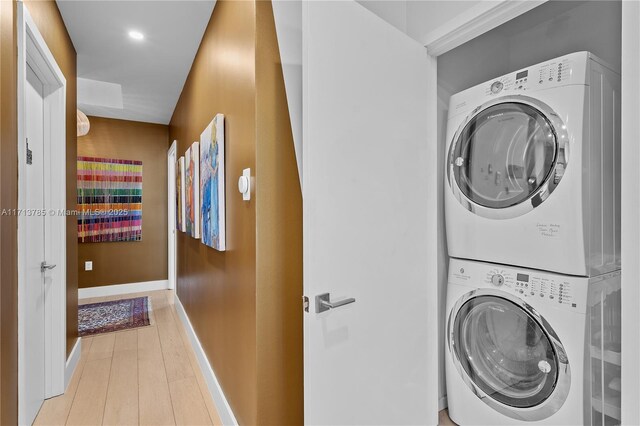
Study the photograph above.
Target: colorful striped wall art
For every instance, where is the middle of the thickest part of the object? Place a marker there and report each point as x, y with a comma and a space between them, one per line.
109, 200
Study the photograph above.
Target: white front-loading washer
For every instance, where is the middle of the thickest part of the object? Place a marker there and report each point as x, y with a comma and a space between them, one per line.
530, 346
533, 168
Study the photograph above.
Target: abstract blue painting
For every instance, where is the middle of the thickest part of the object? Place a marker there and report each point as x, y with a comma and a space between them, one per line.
212, 188
192, 190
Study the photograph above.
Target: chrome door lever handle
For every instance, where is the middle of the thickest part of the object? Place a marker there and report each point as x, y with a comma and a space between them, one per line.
44, 266
324, 303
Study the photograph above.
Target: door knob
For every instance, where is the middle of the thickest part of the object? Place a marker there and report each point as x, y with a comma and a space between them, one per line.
324, 303
44, 266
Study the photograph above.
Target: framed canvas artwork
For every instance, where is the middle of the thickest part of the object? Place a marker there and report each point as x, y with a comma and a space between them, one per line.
212, 185
180, 196
109, 193
192, 190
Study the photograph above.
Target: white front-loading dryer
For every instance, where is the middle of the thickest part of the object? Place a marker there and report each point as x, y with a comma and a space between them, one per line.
533, 168
528, 346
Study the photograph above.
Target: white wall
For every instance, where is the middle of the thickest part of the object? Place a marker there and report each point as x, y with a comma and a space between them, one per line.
423, 17
419, 18
392, 11
630, 212
551, 30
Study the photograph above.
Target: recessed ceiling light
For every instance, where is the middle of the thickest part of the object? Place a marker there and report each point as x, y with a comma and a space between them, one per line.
136, 35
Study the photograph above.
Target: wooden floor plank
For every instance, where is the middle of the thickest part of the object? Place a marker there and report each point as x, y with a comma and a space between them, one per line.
176, 358
149, 375
102, 346
121, 407
126, 341
204, 390
188, 404
163, 315
149, 343
88, 405
153, 387
153, 393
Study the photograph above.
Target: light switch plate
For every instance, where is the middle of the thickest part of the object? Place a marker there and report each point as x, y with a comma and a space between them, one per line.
88, 265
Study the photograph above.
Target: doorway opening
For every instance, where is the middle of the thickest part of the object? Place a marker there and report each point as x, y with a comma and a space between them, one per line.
171, 185
43, 370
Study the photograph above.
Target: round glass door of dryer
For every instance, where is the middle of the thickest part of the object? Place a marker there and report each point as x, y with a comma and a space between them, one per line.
503, 350
504, 155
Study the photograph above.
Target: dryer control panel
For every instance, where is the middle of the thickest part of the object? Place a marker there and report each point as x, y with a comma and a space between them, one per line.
552, 73
533, 286
566, 70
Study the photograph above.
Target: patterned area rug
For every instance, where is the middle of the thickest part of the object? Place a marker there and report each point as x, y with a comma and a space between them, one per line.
115, 315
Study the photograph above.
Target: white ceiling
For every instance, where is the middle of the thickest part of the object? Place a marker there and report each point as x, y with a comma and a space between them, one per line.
128, 79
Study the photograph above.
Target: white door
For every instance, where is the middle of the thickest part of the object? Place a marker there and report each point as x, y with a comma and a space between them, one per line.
365, 220
34, 349
171, 183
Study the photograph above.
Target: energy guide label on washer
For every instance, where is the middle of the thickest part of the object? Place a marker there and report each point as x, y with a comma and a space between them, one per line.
549, 230
460, 274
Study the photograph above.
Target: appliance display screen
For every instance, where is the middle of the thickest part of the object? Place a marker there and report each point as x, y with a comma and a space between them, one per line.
522, 74
523, 277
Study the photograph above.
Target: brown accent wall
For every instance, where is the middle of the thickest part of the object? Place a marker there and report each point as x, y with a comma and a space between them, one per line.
279, 241
8, 224
49, 21
244, 303
218, 289
130, 262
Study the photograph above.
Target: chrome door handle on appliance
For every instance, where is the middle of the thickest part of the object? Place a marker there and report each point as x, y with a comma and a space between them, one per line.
324, 303
44, 266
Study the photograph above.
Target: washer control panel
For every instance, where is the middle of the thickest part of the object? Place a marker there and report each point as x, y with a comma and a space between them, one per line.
535, 287
530, 284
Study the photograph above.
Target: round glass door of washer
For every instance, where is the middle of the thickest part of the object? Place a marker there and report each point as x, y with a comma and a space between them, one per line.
504, 155
508, 354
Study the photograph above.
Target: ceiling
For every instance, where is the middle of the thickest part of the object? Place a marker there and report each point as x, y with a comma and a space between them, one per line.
140, 80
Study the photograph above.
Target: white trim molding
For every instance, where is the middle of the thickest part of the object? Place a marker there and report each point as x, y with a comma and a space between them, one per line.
72, 362
113, 290
479, 19
222, 405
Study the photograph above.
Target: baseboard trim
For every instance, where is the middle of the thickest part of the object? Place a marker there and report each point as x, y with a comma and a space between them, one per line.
72, 362
442, 403
222, 405
112, 290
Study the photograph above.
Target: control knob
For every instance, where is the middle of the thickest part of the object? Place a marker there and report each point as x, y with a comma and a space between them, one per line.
497, 280
496, 87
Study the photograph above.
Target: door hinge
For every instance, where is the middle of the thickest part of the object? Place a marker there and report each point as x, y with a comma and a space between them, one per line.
29, 154
305, 303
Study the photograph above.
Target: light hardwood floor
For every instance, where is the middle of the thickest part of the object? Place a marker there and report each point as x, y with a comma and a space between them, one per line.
146, 376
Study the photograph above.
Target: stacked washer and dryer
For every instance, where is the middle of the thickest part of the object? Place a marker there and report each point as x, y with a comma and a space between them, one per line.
532, 210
